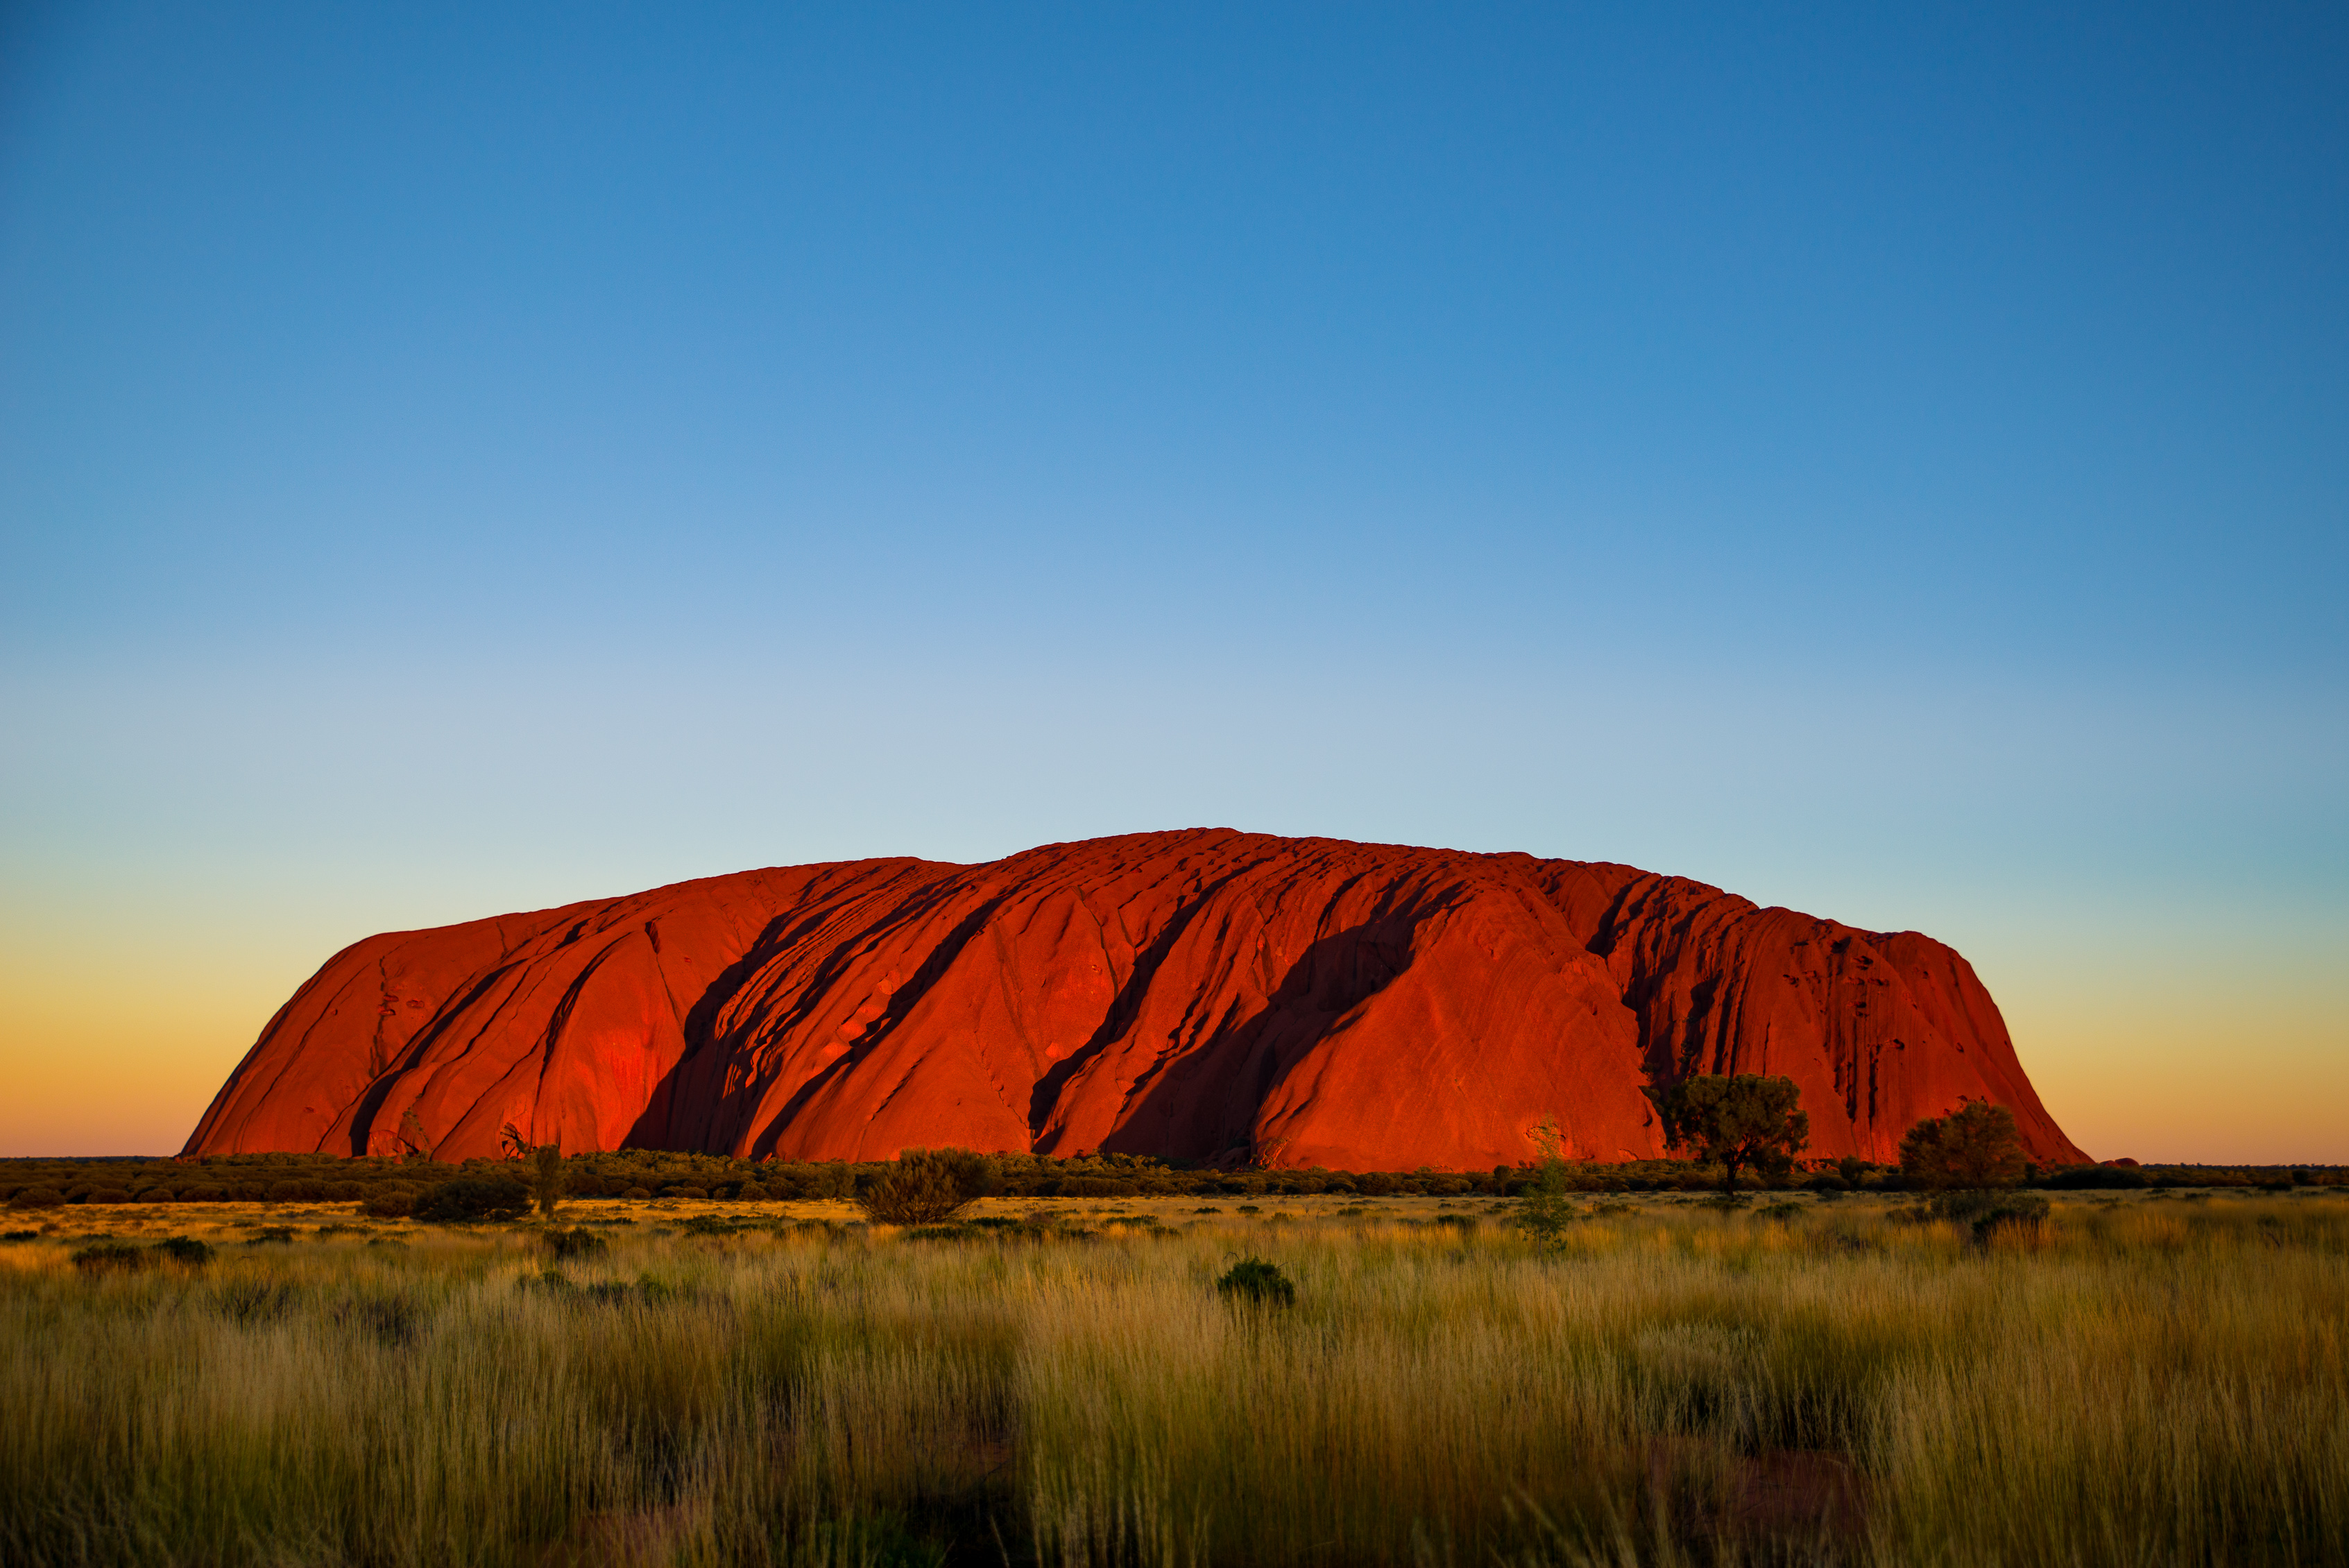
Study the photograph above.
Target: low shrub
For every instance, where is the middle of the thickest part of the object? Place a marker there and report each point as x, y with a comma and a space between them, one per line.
157, 1195
926, 1187
107, 1195
1966, 1206
389, 1203
472, 1197
1256, 1282
296, 1191
2012, 1211
36, 1197
185, 1249
1098, 1187
576, 1242
111, 1257
683, 1191
270, 1235
204, 1192
639, 1193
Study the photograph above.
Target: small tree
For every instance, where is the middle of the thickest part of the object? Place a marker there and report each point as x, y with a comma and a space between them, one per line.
546, 1177
1974, 1149
1740, 1120
1545, 1211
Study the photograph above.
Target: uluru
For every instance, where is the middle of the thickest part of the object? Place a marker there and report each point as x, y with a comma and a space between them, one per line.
1206, 994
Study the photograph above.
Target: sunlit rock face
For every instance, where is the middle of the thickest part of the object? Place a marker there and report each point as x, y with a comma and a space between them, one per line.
1204, 995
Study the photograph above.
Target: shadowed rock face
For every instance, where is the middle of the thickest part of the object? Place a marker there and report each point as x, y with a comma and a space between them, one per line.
1204, 995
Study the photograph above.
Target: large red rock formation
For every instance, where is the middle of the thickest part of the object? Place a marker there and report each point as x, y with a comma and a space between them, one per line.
1206, 994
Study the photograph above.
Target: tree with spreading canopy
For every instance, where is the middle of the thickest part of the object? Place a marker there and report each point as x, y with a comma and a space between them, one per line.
1972, 1149
1738, 1120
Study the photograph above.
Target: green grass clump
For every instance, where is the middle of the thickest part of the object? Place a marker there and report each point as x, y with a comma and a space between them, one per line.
1257, 1283
576, 1242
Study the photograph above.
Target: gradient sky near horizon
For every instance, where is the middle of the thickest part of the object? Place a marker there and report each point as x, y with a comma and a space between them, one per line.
1891, 461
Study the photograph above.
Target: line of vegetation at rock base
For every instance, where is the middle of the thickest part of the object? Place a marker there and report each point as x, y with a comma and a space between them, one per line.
661, 1173
1671, 1380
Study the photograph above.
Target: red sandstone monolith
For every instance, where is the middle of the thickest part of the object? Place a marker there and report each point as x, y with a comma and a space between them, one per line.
1204, 995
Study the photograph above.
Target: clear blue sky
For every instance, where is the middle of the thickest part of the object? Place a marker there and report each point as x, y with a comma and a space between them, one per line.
1889, 461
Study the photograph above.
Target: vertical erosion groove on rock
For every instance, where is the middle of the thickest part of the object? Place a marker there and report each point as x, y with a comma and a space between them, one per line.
1204, 995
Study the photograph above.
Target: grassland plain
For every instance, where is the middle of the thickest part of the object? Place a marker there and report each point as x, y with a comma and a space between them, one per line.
2137, 1380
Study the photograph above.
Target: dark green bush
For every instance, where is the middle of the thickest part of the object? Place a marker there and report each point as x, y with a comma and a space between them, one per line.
1098, 1187
36, 1197
1256, 1282
926, 1187
2012, 1210
111, 1257
157, 1195
297, 1191
1964, 1207
577, 1243
107, 1195
185, 1249
270, 1235
389, 1203
472, 1197
204, 1192
639, 1193
681, 1190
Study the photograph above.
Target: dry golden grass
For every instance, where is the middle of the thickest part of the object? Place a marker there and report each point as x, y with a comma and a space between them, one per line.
2136, 1382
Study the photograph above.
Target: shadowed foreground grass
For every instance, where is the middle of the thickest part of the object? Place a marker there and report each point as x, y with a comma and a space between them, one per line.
2131, 1381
